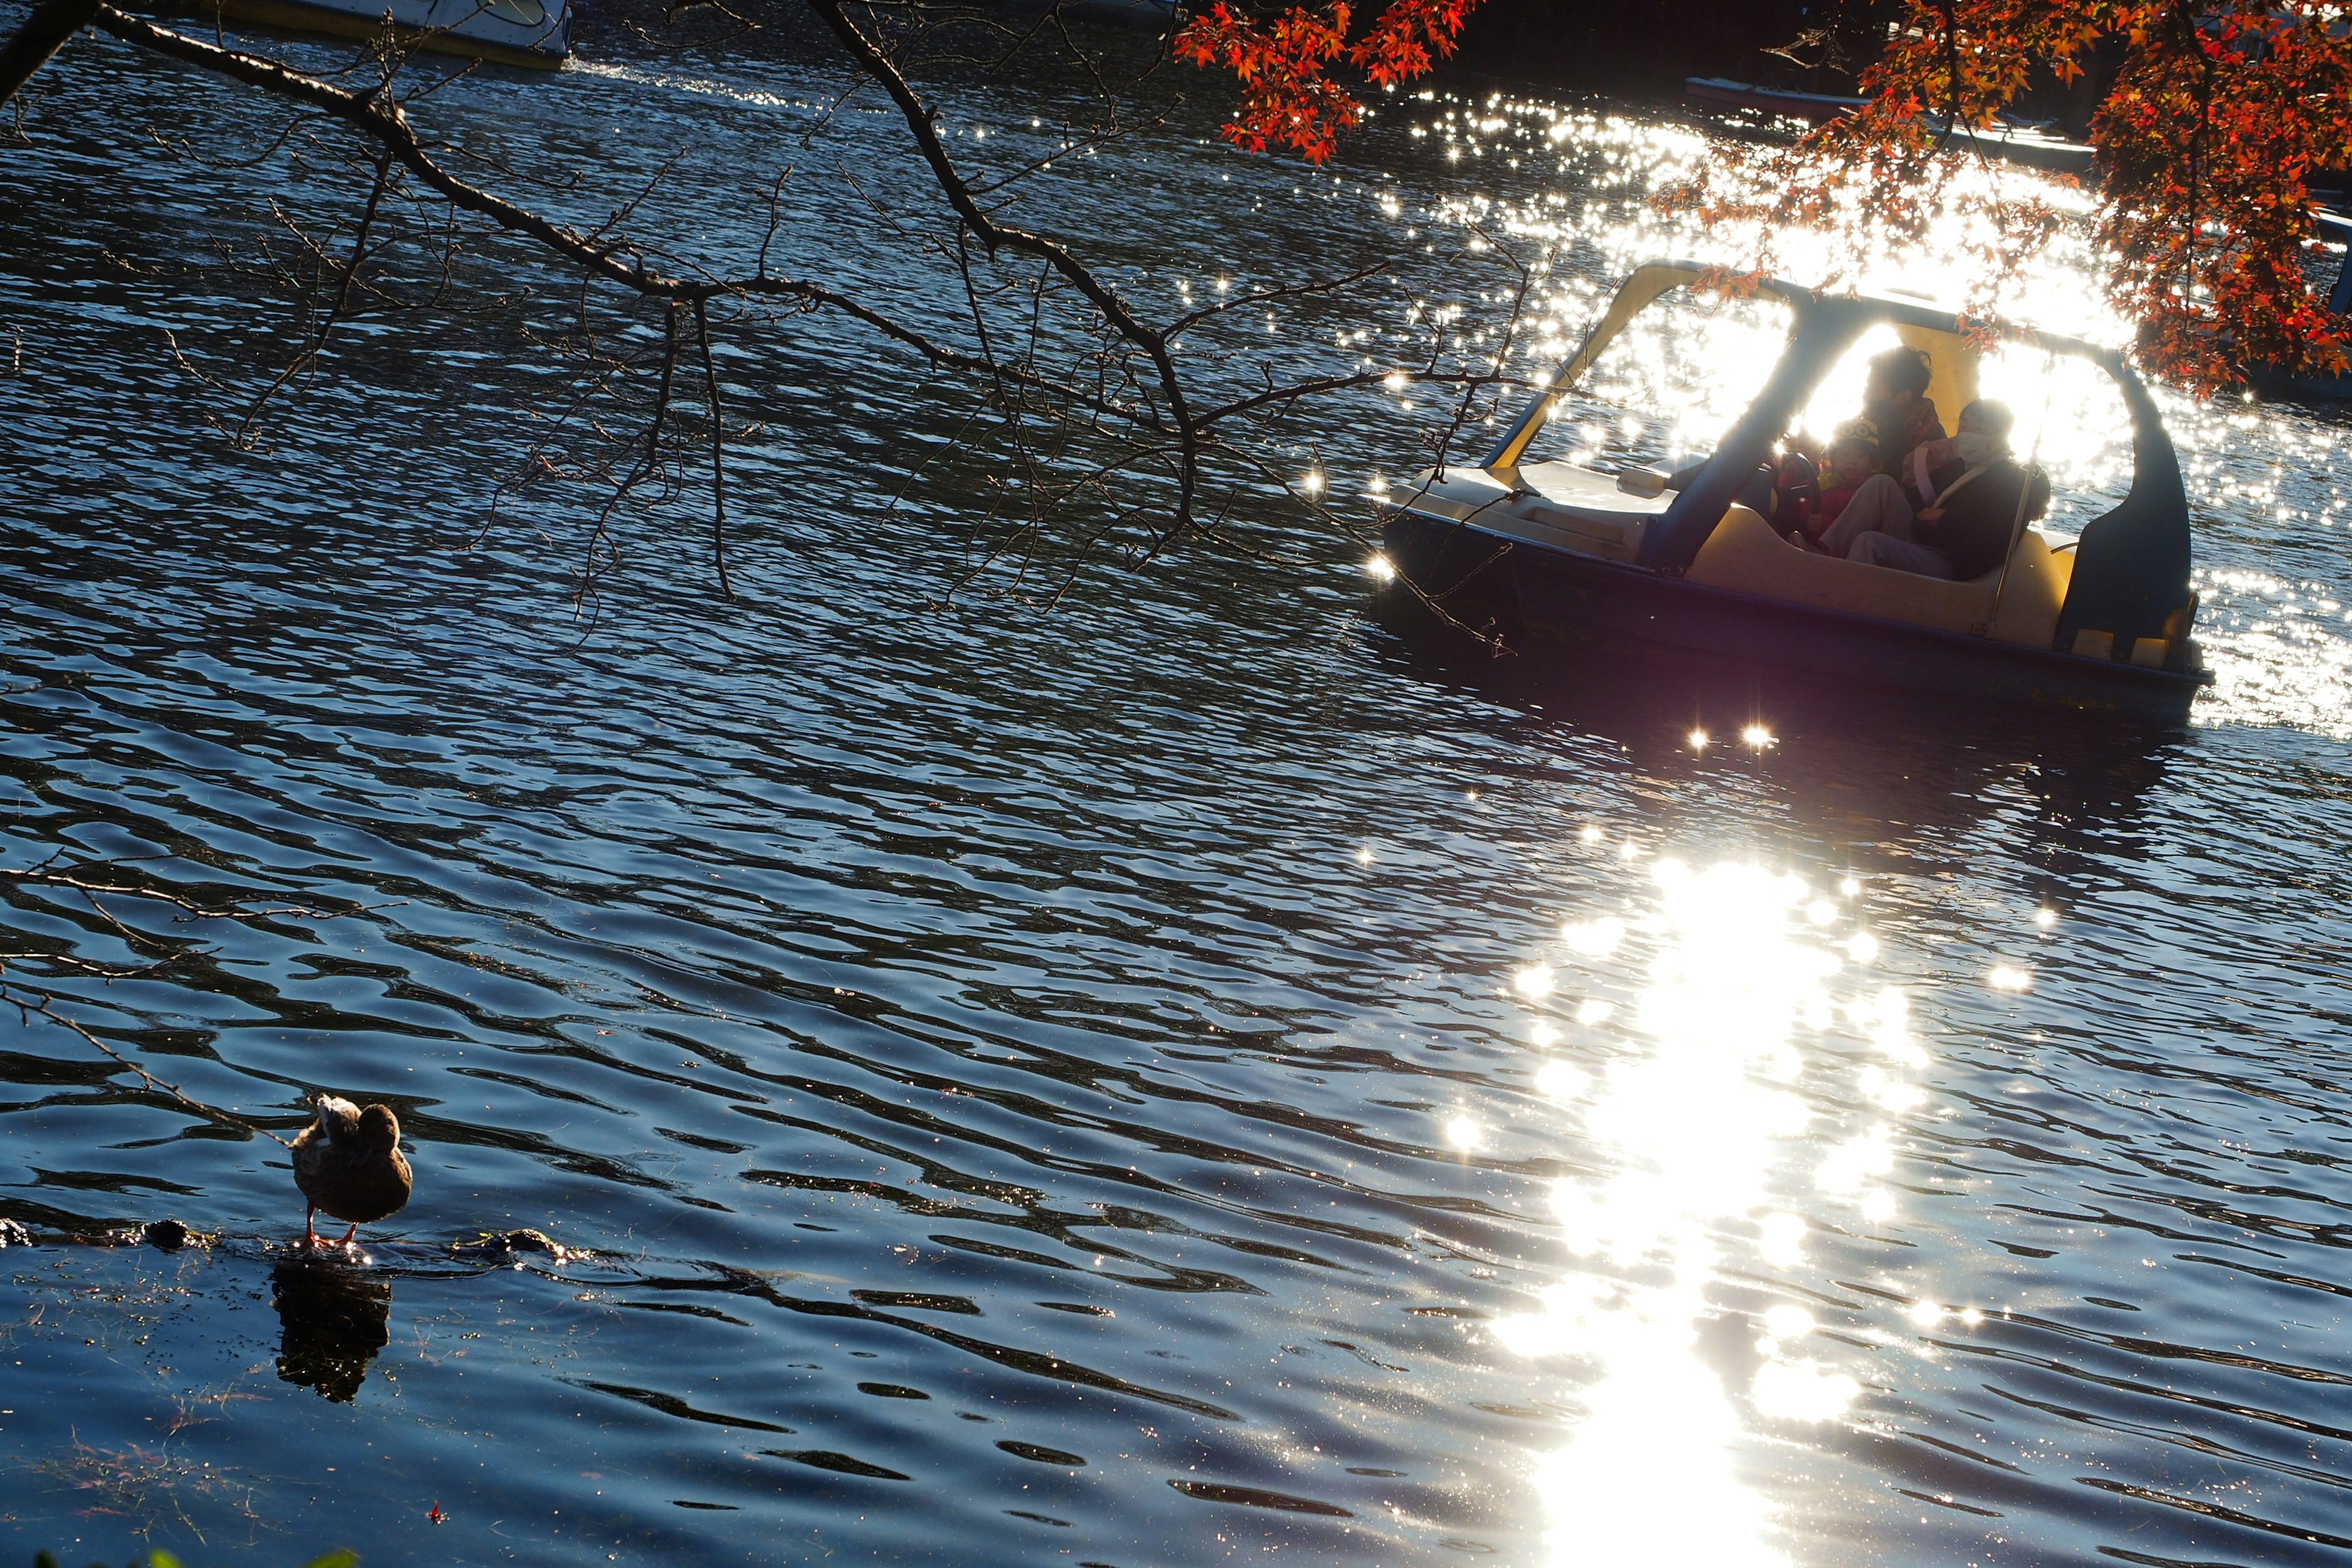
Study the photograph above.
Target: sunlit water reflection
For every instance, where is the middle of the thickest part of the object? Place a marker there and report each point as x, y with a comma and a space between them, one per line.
1691, 1114
1180, 1078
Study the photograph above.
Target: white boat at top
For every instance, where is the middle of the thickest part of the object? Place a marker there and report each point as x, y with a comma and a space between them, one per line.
2015, 141
533, 33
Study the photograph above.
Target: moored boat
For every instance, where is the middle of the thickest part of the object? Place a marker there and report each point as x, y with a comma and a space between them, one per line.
1721, 92
2289, 388
1553, 559
2012, 142
535, 34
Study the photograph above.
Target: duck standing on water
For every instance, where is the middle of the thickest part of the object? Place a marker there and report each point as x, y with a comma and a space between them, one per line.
348, 1161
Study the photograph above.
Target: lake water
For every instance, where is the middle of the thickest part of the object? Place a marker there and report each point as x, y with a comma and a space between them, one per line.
1173, 1077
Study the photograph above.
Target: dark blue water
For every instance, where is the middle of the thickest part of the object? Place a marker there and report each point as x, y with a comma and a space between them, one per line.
1175, 1077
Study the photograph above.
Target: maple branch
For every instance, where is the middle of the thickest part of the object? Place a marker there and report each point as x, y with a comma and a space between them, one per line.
384, 121
30, 1004
1120, 383
342, 298
32, 999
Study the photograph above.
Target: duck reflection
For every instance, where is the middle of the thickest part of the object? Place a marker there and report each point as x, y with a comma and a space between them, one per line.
332, 1321
1698, 1122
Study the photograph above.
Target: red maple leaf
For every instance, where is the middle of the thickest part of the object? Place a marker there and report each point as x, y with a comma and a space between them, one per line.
1284, 60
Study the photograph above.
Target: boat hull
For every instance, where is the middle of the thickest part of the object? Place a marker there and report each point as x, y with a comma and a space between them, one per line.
1555, 606
2052, 154
2279, 388
478, 32
1814, 108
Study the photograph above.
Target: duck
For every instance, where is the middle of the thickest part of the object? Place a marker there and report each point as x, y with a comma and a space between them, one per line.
348, 1161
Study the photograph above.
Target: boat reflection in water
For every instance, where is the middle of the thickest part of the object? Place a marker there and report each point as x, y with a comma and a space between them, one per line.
1704, 1137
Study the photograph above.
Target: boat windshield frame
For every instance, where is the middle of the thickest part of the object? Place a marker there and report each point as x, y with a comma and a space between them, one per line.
2132, 564
1654, 280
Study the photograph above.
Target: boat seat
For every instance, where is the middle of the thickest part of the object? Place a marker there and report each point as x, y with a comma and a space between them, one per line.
1745, 556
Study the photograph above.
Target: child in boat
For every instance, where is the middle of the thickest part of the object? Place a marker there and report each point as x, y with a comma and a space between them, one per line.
1796, 486
1851, 458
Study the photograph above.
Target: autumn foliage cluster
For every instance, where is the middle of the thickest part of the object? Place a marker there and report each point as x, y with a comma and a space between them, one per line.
2215, 118
1284, 59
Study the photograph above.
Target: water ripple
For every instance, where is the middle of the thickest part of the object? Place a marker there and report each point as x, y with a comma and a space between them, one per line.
1177, 1075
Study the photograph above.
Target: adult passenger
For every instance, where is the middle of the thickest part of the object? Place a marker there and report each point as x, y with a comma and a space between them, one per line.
1894, 400
1982, 495
1974, 490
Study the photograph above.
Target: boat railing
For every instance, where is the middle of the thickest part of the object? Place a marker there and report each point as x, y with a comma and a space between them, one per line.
2034, 474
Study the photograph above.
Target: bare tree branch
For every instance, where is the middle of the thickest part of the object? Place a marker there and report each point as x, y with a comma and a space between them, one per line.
43, 34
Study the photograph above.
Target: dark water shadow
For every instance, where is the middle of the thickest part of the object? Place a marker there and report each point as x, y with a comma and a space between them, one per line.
332, 1321
1914, 758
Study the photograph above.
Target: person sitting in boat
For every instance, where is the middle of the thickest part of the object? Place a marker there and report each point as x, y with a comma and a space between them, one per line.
1854, 457
1894, 400
1895, 404
1982, 495
1808, 509
1978, 495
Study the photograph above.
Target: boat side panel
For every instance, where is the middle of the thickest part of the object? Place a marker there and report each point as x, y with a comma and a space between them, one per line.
1745, 556
1544, 603
539, 47
2131, 565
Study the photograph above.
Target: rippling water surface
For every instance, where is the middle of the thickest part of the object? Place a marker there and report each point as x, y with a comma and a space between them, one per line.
1177, 1077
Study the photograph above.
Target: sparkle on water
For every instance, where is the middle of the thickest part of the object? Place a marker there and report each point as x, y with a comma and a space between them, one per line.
1743, 1139
1593, 937
1693, 1117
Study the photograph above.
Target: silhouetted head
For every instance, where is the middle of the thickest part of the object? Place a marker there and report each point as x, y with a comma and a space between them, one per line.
379, 1128
1988, 416
1898, 378
1853, 451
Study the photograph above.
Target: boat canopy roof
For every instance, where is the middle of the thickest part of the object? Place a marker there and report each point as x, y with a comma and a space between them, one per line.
1954, 344
2132, 564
